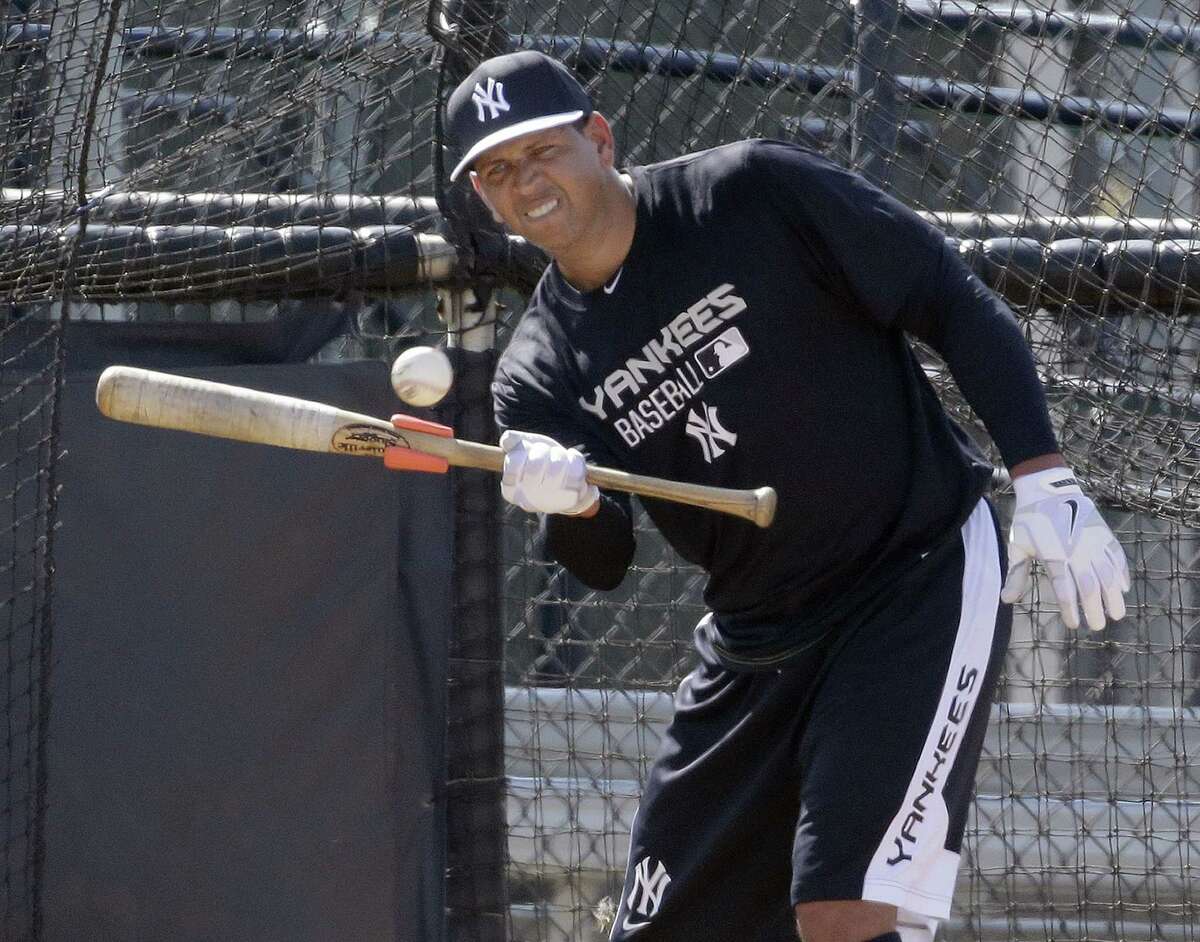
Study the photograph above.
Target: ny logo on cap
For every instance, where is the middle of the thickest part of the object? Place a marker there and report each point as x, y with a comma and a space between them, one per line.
491, 98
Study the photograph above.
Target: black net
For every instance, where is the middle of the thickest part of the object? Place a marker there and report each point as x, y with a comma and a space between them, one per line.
241, 162
31, 361
1056, 147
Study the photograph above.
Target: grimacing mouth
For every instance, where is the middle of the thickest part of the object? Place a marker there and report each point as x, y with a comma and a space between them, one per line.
542, 209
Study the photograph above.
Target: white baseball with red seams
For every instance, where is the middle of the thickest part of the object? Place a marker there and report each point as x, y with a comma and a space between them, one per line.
421, 376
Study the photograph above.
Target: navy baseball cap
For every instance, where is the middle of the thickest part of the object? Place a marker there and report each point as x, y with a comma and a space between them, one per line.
509, 96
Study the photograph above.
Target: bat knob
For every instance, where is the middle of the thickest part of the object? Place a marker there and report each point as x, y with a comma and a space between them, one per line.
765, 500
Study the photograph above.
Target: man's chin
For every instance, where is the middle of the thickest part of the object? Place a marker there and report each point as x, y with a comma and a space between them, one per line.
543, 240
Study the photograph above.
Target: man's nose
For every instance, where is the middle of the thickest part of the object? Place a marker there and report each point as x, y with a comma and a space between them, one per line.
527, 174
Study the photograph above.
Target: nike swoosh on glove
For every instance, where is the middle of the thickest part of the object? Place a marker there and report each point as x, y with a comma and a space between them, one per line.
542, 476
1056, 524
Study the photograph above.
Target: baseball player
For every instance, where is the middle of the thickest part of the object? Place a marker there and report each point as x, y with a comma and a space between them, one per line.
739, 317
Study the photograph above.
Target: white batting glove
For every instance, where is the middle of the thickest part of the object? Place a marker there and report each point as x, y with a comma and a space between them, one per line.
542, 476
1055, 523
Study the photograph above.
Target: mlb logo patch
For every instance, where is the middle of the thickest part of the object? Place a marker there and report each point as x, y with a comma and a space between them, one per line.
718, 355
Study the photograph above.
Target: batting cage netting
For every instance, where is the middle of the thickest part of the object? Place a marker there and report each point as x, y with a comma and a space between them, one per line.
227, 163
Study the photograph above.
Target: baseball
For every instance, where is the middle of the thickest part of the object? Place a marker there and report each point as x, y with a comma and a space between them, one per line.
421, 376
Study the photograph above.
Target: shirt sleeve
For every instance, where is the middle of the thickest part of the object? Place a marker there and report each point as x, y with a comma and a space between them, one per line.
977, 335
598, 549
896, 269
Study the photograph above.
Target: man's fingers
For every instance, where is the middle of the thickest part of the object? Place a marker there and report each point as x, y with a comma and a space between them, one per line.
520, 470
514, 466
555, 473
1064, 592
1116, 554
1086, 564
575, 472
1114, 580
536, 465
1110, 586
509, 440
1114, 601
541, 476
1088, 584
1016, 583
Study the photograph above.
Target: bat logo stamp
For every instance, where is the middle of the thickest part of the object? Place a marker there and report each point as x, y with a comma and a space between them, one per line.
362, 440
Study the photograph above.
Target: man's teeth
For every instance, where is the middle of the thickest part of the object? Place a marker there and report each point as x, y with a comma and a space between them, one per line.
539, 211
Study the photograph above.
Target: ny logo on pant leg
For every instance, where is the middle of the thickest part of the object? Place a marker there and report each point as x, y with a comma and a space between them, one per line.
645, 896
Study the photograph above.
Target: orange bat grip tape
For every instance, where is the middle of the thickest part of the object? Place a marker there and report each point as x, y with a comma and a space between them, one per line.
405, 459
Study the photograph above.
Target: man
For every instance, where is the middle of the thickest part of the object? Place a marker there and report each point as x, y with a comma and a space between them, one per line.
738, 317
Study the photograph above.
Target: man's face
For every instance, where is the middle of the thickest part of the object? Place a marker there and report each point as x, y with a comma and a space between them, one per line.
547, 186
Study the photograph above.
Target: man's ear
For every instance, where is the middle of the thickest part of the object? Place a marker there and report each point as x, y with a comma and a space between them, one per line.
479, 190
599, 132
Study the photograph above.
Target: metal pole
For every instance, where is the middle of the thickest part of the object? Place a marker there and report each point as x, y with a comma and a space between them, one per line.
874, 122
476, 824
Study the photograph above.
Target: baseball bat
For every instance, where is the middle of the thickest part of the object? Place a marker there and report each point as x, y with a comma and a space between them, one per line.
163, 400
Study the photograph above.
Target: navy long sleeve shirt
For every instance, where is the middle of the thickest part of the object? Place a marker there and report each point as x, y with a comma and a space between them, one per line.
757, 333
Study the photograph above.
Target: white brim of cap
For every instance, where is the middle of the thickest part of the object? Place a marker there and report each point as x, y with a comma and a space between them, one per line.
519, 129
